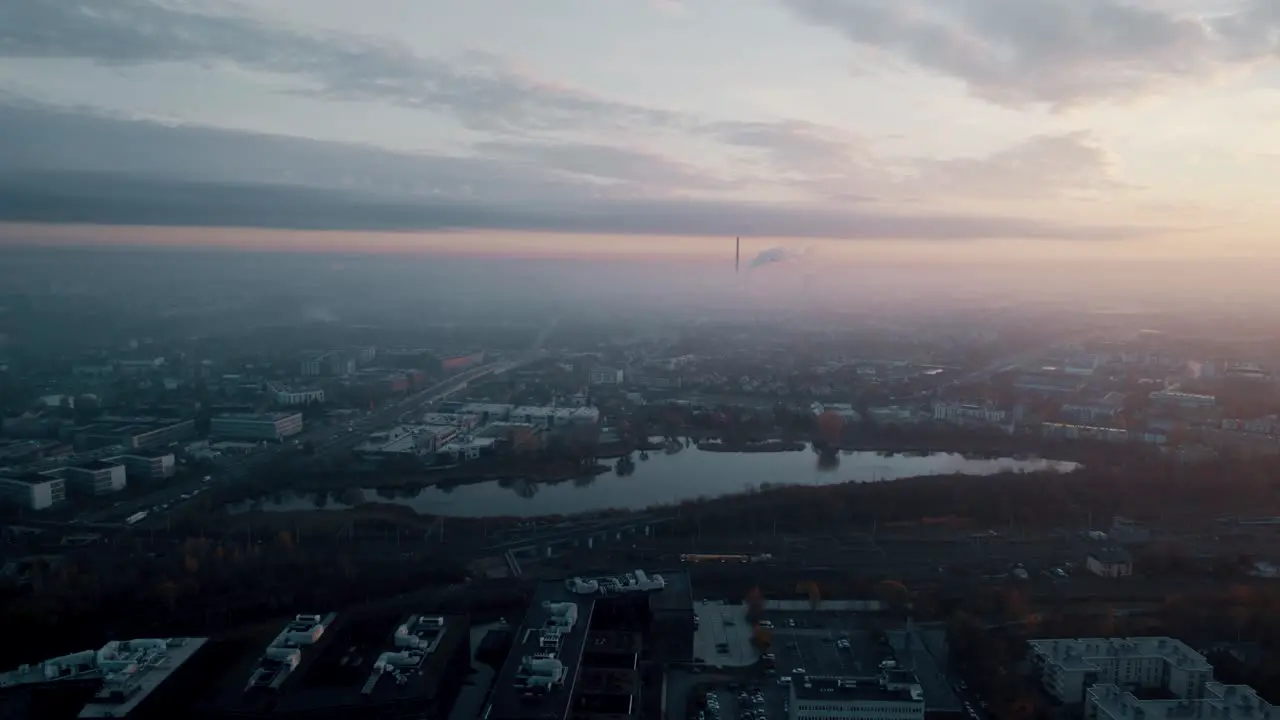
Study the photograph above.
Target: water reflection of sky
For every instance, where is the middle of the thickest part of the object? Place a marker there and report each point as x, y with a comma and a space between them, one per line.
661, 479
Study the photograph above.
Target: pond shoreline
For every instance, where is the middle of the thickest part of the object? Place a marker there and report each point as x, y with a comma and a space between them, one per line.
662, 479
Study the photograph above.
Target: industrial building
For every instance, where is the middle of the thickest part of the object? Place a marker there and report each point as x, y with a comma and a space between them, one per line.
133, 433
123, 679
148, 465
1069, 667
34, 491
895, 695
96, 477
350, 666
577, 651
270, 427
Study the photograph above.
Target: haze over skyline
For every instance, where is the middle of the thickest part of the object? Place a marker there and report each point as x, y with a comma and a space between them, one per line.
1025, 128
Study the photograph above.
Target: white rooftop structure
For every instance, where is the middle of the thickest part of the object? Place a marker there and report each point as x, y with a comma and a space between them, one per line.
1220, 702
1070, 666
130, 671
285, 651
414, 640
632, 582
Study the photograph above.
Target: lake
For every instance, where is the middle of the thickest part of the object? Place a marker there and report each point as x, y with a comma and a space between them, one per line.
661, 479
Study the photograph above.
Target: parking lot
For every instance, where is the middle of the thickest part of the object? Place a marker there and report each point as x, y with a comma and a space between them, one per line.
746, 701
819, 652
723, 638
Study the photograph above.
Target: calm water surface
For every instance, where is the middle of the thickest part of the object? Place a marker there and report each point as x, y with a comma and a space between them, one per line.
661, 479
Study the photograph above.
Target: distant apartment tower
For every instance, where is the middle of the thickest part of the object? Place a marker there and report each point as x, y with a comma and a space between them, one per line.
314, 366
341, 366
33, 491
606, 376
98, 477
271, 427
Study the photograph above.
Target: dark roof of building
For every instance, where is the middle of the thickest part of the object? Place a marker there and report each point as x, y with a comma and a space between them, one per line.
336, 672
509, 699
1111, 554
98, 465
854, 689
146, 453
676, 596
343, 673
30, 478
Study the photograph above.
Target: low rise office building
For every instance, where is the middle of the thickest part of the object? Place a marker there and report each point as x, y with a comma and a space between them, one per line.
33, 491
268, 427
96, 477
895, 695
133, 433
147, 465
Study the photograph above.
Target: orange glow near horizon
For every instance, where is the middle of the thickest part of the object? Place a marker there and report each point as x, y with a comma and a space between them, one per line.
510, 244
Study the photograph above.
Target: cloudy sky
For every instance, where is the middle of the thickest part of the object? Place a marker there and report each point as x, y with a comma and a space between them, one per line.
1150, 124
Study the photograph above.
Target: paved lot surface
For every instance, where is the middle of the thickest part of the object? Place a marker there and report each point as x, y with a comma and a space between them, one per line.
723, 623
925, 652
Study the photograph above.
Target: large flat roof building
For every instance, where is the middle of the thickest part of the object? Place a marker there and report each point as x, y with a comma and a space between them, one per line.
133, 433
882, 698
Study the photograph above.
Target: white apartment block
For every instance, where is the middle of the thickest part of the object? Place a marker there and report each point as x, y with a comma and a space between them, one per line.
606, 376
297, 398
1220, 702
965, 413
855, 699
1069, 667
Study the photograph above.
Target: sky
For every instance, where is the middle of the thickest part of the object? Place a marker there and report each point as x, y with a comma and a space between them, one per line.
957, 128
